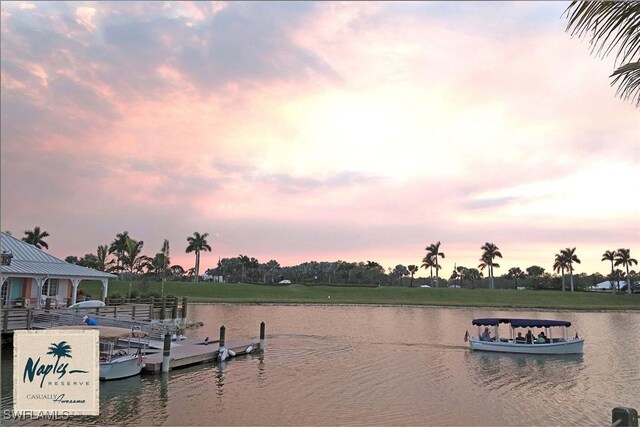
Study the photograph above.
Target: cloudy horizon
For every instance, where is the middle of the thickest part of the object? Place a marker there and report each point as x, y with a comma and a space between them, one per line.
304, 131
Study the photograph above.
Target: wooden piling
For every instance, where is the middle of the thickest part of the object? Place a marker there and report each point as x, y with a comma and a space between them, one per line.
222, 334
164, 307
262, 335
166, 353
174, 312
184, 307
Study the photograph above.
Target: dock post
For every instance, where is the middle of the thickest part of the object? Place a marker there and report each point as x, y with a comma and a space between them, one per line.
164, 307
184, 307
174, 311
624, 417
262, 335
166, 353
222, 333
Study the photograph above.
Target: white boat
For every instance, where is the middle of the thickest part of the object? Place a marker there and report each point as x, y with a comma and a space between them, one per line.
555, 339
118, 359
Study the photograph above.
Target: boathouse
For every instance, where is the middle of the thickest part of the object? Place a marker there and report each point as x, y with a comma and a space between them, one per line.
33, 278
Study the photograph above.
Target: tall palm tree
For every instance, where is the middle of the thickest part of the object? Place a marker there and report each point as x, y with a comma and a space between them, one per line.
428, 262
610, 256
36, 237
623, 257
570, 257
433, 251
197, 243
560, 265
413, 269
118, 245
611, 25
490, 253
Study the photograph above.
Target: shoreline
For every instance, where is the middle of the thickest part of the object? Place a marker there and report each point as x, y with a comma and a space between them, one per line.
457, 307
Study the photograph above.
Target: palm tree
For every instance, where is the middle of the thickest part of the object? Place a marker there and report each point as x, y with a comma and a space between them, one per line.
427, 262
611, 26
515, 273
36, 237
413, 269
433, 251
197, 243
118, 245
623, 257
490, 253
609, 256
559, 266
101, 259
570, 257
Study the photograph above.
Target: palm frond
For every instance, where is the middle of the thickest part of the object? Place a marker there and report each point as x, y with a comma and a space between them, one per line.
614, 26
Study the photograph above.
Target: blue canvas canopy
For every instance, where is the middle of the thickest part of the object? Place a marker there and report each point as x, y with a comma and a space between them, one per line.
521, 323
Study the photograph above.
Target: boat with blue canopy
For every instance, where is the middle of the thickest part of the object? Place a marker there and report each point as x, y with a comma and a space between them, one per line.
542, 336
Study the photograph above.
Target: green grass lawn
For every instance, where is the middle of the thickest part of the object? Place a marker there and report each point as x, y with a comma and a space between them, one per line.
301, 294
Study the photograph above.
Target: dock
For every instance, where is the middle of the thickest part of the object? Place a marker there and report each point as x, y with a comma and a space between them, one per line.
192, 352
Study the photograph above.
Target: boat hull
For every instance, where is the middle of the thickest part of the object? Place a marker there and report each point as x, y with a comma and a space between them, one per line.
564, 347
122, 367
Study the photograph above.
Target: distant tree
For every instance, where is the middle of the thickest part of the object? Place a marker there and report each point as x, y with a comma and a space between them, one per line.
490, 253
570, 256
36, 238
535, 271
612, 25
459, 273
197, 243
118, 246
516, 274
373, 267
473, 274
610, 256
623, 258
560, 265
102, 264
400, 271
428, 262
433, 252
413, 269
71, 259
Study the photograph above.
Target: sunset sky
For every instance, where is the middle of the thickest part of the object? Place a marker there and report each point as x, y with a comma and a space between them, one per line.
302, 131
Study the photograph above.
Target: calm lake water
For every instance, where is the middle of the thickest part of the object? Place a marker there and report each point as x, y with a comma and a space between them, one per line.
362, 365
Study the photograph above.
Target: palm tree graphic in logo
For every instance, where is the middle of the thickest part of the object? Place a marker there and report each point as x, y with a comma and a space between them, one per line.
62, 349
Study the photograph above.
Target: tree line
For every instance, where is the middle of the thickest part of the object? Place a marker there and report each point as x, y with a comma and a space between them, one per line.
124, 256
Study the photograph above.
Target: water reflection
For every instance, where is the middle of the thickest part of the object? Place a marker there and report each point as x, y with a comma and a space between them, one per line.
356, 365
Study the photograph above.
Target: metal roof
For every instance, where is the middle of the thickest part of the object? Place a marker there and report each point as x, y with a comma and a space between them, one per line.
30, 261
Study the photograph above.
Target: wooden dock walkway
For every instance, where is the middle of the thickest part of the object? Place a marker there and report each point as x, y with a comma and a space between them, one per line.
192, 352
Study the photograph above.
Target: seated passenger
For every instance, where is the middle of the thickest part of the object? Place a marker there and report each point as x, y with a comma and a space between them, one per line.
520, 338
529, 337
542, 338
486, 335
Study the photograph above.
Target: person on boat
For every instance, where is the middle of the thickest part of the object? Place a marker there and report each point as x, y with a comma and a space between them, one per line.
520, 338
529, 337
542, 338
90, 321
486, 335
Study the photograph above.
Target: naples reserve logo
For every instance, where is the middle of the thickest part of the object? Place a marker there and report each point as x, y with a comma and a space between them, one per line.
56, 370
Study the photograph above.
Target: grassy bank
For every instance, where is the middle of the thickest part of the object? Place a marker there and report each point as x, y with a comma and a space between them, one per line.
300, 294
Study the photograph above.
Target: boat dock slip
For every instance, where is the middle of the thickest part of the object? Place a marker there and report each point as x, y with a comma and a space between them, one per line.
193, 351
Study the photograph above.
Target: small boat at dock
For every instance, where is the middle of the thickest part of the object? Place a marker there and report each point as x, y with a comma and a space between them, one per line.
548, 341
122, 350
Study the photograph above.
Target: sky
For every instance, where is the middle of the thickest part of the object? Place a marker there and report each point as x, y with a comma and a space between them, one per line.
303, 131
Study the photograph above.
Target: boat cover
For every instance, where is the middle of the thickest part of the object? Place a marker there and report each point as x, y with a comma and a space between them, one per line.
521, 323
108, 332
